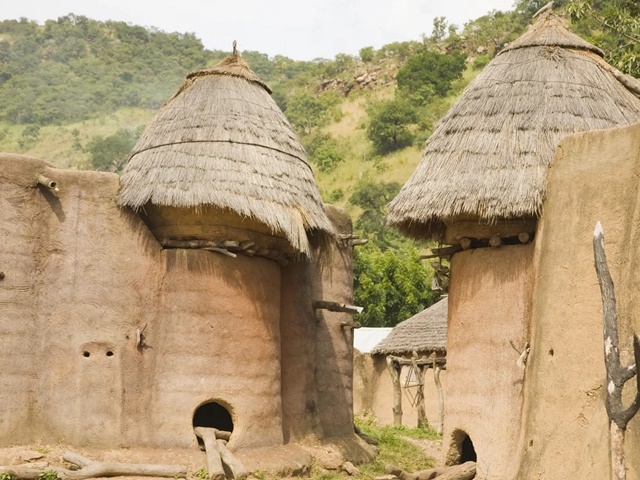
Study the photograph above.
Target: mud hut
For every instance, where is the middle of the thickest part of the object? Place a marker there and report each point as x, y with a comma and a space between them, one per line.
483, 169
388, 373
192, 292
482, 183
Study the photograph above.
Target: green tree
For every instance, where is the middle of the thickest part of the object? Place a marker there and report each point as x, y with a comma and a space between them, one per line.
367, 54
325, 152
389, 125
613, 25
430, 72
392, 285
373, 197
111, 153
306, 111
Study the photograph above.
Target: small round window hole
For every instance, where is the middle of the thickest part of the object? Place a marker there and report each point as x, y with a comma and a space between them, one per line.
109, 353
86, 354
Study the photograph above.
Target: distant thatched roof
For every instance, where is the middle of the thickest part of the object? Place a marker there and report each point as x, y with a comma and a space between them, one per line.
424, 332
488, 157
222, 140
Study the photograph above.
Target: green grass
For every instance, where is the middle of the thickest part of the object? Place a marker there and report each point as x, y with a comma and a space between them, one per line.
393, 448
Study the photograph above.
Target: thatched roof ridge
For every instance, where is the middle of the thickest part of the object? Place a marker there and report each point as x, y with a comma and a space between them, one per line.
234, 66
424, 332
488, 157
551, 30
223, 141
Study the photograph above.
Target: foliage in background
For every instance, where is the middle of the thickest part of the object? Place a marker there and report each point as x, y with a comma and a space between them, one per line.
430, 73
389, 125
390, 279
612, 25
110, 153
307, 111
392, 284
325, 151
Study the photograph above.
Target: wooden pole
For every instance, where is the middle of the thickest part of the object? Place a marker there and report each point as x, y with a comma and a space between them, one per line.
617, 375
214, 460
91, 469
422, 414
394, 371
436, 378
235, 466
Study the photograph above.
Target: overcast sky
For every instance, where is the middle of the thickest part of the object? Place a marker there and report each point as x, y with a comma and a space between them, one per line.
300, 29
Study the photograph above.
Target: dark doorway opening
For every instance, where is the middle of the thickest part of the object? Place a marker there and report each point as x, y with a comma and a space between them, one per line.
213, 415
467, 452
461, 449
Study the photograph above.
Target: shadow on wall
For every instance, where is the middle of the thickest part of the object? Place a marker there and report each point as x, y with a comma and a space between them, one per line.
515, 263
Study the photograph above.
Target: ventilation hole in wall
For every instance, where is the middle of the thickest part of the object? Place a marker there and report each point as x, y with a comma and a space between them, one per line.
86, 354
214, 415
109, 353
551, 352
531, 443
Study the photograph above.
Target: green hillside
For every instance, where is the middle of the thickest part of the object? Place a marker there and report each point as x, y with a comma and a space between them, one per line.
77, 92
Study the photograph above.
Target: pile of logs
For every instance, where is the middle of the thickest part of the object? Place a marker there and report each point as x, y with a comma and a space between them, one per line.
221, 463
90, 469
466, 471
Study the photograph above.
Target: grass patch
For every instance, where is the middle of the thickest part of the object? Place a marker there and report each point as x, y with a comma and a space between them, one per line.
394, 448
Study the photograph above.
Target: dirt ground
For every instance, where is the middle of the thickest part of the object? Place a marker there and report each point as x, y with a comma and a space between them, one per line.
323, 457
431, 448
43, 456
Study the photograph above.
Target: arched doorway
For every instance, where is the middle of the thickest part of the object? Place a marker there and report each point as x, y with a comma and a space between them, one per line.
461, 449
213, 415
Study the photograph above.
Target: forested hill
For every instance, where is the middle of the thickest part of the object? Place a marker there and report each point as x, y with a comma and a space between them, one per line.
77, 92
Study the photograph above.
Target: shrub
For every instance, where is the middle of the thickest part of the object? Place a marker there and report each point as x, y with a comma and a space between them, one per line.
388, 128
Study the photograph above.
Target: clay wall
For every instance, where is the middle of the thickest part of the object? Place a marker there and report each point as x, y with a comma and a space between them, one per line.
85, 280
489, 306
373, 392
80, 278
334, 344
218, 340
298, 330
565, 432
19, 206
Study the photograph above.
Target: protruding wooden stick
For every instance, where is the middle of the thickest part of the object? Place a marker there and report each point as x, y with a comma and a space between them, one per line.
617, 375
47, 182
234, 465
214, 460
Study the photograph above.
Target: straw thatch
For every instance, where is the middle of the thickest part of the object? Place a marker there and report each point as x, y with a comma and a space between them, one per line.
223, 141
422, 333
488, 157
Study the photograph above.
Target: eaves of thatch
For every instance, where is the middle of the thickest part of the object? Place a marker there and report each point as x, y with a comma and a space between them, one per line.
488, 157
424, 332
222, 141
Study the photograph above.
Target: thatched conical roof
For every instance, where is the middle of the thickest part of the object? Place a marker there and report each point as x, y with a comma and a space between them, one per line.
424, 332
222, 141
488, 157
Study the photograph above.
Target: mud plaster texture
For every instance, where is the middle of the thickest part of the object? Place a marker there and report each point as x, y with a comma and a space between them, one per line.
83, 277
489, 306
595, 177
549, 421
373, 392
